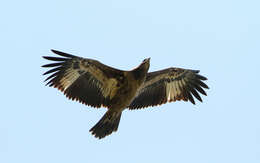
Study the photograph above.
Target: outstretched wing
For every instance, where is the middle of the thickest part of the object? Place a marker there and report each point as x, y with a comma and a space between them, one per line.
168, 85
85, 80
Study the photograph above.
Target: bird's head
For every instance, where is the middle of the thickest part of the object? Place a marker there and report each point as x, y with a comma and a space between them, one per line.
145, 64
141, 71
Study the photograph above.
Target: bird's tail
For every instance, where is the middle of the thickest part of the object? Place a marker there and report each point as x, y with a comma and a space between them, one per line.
107, 124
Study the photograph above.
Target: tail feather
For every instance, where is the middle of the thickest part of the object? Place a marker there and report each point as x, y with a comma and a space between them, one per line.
106, 125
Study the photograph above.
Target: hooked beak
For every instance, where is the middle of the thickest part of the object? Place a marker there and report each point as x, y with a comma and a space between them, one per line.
147, 59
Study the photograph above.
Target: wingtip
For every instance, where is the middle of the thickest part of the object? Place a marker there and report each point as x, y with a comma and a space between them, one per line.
54, 51
44, 57
63, 54
57, 52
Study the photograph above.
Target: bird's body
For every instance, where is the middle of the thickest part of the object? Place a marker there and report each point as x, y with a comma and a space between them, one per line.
93, 83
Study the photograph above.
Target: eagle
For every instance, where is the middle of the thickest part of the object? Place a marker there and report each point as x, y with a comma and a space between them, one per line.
95, 84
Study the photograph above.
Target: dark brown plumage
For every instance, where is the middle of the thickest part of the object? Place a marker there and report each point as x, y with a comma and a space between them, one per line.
95, 84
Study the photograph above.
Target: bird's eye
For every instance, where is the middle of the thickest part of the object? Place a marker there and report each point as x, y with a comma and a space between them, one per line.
147, 59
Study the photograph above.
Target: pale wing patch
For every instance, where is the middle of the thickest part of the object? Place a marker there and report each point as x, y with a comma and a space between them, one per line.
106, 85
89, 66
70, 77
169, 85
110, 88
85, 80
169, 92
172, 91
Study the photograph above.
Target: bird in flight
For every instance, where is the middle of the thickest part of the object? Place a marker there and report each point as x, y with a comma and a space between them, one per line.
92, 83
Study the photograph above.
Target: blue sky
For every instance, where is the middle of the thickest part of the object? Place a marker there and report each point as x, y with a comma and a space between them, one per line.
220, 38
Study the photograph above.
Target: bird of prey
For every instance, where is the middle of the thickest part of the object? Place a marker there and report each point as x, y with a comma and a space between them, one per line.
92, 83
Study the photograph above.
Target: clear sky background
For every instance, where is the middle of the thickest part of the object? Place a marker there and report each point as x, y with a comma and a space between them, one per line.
221, 38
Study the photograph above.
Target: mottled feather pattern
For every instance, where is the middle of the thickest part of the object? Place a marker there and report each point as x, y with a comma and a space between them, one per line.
169, 85
151, 95
60, 70
92, 83
78, 78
